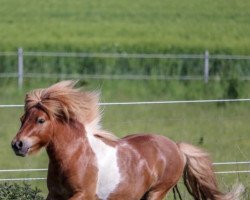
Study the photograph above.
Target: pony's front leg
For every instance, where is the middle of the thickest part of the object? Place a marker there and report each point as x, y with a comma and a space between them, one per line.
83, 196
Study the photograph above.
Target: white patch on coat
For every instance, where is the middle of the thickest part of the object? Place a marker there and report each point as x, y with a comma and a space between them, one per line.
108, 170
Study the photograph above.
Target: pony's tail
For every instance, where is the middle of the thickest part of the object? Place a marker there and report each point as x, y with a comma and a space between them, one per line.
199, 177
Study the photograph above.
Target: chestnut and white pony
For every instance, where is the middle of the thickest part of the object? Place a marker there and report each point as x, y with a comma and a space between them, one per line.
86, 162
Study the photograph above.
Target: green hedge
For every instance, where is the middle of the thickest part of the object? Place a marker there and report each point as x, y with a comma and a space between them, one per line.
19, 192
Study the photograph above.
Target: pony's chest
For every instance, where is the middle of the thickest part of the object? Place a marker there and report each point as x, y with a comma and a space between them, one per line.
58, 185
64, 190
108, 172
108, 178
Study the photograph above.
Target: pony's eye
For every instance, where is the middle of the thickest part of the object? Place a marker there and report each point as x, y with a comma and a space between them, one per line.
40, 120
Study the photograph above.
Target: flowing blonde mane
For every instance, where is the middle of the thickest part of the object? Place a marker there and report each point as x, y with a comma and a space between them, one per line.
65, 102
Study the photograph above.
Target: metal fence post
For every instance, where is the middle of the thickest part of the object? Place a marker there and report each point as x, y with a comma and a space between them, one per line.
20, 68
206, 66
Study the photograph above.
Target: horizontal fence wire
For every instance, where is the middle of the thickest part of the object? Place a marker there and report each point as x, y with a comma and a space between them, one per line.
8, 53
127, 55
150, 102
232, 163
22, 179
232, 172
114, 55
117, 77
103, 76
22, 170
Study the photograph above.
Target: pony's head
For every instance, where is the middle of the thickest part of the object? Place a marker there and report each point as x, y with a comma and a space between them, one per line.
45, 108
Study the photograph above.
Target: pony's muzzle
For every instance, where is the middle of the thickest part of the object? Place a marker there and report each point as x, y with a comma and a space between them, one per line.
19, 147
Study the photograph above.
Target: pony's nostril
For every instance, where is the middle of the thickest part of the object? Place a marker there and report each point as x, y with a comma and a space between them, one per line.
17, 145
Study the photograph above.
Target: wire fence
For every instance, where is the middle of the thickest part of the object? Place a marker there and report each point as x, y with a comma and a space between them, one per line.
73, 65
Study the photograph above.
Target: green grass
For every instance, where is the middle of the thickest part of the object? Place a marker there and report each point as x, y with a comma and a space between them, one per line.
142, 27
221, 129
131, 26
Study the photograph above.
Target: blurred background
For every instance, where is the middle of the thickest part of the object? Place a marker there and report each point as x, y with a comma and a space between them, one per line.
194, 56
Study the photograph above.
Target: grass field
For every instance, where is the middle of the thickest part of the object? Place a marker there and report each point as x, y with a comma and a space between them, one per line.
127, 26
136, 27
221, 129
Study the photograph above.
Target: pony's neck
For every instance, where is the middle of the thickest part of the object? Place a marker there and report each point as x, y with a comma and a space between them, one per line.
66, 141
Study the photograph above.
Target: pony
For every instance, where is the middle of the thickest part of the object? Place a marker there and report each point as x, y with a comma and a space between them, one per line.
86, 162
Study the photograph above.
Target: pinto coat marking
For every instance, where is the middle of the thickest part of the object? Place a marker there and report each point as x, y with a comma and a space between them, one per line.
107, 166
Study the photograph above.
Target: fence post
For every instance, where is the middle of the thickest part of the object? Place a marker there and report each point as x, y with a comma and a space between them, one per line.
206, 66
20, 68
